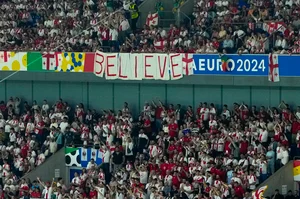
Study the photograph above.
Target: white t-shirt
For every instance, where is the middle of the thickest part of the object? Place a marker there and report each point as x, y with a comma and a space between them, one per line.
143, 177
101, 192
45, 107
285, 157
106, 156
63, 126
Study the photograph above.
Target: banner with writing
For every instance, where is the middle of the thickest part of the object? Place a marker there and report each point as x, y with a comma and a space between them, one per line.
149, 66
134, 66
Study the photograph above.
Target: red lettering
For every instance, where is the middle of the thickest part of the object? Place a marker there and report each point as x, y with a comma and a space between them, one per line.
173, 65
162, 73
135, 67
147, 65
120, 70
110, 66
100, 63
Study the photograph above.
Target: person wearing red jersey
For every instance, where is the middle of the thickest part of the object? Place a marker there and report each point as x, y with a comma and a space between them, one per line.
173, 129
39, 128
171, 149
159, 108
163, 168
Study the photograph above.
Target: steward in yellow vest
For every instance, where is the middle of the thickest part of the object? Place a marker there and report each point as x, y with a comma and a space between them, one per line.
134, 10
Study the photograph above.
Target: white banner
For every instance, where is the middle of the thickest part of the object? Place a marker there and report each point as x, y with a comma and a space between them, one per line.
162, 68
124, 69
135, 66
112, 68
99, 63
176, 66
150, 65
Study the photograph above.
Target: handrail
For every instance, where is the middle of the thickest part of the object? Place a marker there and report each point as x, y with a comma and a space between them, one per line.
190, 20
46, 160
298, 157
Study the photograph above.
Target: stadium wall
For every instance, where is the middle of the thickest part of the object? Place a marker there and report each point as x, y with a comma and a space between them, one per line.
98, 93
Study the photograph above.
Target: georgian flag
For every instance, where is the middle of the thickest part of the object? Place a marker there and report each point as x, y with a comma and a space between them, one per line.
188, 64
273, 68
152, 19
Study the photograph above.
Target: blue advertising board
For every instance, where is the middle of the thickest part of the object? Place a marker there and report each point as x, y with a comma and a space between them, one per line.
246, 65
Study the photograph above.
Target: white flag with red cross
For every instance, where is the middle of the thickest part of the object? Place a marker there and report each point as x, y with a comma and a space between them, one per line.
188, 64
49, 61
273, 68
152, 19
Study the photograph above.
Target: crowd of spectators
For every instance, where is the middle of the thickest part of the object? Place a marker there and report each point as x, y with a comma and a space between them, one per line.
241, 26
167, 152
25, 142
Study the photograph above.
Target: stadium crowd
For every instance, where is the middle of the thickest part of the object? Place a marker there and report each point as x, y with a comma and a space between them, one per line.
242, 26
167, 152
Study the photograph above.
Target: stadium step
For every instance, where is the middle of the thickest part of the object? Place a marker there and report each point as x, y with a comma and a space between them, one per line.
54, 166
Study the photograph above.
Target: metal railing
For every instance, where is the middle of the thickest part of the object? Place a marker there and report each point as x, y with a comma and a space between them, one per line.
165, 18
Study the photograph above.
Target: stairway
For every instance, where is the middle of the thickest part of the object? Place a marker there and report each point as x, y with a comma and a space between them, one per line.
167, 17
281, 178
53, 167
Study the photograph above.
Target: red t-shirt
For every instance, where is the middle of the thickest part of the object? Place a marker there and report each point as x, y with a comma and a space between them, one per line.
93, 194
39, 131
186, 139
179, 148
163, 169
239, 191
295, 127
36, 194
176, 181
171, 166
173, 130
59, 105
243, 147
24, 151
171, 148
147, 124
158, 112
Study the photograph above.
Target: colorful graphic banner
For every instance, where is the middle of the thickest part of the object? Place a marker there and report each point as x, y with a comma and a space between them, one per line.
80, 157
146, 65
47, 61
296, 170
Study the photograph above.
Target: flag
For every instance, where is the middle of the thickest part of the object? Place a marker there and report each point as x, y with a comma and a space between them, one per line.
99, 157
34, 61
258, 194
296, 170
224, 60
85, 155
89, 62
188, 64
152, 19
70, 62
49, 61
15, 62
94, 154
272, 27
273, 68
72, 157
4, 56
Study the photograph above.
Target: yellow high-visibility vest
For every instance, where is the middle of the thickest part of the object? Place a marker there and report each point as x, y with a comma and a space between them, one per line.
134, 14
